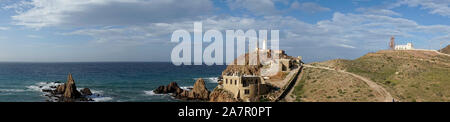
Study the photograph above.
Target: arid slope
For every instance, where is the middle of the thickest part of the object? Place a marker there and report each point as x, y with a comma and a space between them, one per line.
411, 75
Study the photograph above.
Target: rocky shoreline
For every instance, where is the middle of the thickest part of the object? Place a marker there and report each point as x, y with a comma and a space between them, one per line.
198, 93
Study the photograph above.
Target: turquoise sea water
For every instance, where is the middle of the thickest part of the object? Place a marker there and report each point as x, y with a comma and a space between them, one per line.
115, 82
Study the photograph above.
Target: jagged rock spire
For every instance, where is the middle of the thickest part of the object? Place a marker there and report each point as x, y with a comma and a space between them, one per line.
71, 88
69, 78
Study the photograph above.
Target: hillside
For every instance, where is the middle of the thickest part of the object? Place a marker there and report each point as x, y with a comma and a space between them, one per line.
321, 85
406, 75
445, 50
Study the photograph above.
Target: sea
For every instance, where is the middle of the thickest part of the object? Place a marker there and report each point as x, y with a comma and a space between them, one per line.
109, 81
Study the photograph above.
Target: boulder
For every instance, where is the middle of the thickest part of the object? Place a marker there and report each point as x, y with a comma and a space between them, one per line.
86, 91
171, 88
60, 89
160, 90
183, 94
220, 95
71, 88
199, 91
47, 90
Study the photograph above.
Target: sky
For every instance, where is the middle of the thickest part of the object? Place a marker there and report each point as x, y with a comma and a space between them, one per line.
140, 30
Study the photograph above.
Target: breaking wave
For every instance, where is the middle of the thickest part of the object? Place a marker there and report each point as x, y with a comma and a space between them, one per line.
44, 85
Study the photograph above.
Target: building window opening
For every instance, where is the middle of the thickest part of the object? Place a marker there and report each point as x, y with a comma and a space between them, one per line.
244, 83
246, 91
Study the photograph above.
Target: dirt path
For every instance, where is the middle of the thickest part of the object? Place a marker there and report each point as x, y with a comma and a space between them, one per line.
387, 97
289, 86
289, 97
433, 51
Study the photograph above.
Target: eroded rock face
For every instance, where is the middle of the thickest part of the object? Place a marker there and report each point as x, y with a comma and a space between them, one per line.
60, 89
68, 92
71, 88
199, 91
86, 91
171, 88
220, 95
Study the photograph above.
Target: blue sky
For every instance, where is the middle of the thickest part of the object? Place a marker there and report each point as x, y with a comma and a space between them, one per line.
140, 30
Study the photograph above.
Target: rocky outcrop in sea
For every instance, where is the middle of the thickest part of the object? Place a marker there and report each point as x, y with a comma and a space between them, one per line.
198, 92
67, 92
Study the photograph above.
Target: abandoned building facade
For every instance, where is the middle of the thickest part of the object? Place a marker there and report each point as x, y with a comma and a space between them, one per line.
245, 87
250, 87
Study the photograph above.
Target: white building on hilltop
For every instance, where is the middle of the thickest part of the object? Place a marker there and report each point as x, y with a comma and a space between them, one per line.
408, 46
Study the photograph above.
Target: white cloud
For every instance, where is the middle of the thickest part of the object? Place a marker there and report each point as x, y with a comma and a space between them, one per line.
308, 7
376, 11
355, 31
4, 28
140, 22
440, 7
44, 13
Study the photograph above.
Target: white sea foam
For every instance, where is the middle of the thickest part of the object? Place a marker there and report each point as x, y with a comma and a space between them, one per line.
43, 85
97, 96
96, 91
187, 87
213, 79
92, 90
13, 90
102, 99
151, 93
210, 79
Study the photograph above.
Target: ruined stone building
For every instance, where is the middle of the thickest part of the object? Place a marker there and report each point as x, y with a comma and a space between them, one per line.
245, 87
249, 87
